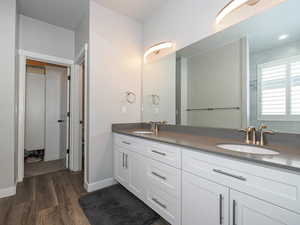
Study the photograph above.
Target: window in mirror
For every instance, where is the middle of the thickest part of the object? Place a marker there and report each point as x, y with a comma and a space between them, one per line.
279, 90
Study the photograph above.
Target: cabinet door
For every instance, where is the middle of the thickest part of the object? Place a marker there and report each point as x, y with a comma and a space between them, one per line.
203, 202
247, 210
137, 165
121, 165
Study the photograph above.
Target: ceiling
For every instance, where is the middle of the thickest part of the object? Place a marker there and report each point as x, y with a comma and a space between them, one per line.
69, 13
137, 9
63, 13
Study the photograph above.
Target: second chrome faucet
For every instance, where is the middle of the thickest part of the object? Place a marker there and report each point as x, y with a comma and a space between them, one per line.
251, 135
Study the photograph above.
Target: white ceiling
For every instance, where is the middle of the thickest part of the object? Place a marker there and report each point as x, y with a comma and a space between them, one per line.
137, 9
63, 13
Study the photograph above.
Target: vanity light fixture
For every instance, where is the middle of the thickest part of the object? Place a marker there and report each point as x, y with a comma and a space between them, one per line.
156, 49
231, 6
282, 37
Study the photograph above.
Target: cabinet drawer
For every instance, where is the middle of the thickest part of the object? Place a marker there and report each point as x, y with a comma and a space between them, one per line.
164, 177
164, 204
130, 143
167, 154
273, 185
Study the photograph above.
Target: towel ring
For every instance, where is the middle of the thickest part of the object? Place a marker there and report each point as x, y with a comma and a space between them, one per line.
130, 97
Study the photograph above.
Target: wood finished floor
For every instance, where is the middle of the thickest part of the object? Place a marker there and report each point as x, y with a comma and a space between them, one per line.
44, 167
50, 199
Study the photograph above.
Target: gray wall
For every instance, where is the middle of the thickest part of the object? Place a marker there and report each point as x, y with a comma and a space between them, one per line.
159, 79
44, 38
188, 21
214, 80
81, 34
17, 30
264, 56
115, 67
7, 92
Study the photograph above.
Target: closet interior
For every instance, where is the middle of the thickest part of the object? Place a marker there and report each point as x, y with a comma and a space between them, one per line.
46, 118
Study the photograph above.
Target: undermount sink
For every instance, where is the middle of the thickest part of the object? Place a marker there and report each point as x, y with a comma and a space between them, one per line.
143, 132
247, 149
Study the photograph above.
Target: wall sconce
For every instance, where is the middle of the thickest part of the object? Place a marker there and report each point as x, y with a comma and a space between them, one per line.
231, 6
158, 49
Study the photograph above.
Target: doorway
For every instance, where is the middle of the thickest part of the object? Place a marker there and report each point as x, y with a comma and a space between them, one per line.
46, 118
73, 123
79, 159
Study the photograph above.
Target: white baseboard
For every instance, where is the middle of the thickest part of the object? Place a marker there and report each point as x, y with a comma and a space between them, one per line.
6, 192
20, 179
99, 184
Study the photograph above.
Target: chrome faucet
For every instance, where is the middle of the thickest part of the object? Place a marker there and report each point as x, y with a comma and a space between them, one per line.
250, 131
154, 126
261, 142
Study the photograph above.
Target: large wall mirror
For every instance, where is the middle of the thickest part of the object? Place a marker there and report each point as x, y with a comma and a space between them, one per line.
245, 75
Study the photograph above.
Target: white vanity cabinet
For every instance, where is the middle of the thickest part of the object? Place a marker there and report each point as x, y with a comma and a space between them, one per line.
247, 210
192, 187
150, 171
121, 172
129, 170
136, 175
203, 202
258, 195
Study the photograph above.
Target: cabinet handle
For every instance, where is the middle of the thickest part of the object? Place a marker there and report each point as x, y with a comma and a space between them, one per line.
159, 176
126, 143
126, 159
221, 208
229, 174
159, 203
160, 153
123, 163
233, 212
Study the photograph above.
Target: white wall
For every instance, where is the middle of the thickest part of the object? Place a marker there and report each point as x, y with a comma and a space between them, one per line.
185, 22
44, 38
115, 67
7, 95
159, 79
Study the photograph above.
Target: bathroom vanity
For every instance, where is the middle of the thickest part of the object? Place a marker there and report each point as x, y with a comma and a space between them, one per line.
201, 171
187, 180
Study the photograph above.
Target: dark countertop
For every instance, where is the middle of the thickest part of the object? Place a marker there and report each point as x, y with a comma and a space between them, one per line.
289, 157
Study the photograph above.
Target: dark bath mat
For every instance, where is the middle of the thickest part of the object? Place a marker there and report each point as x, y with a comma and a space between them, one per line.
116, 206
